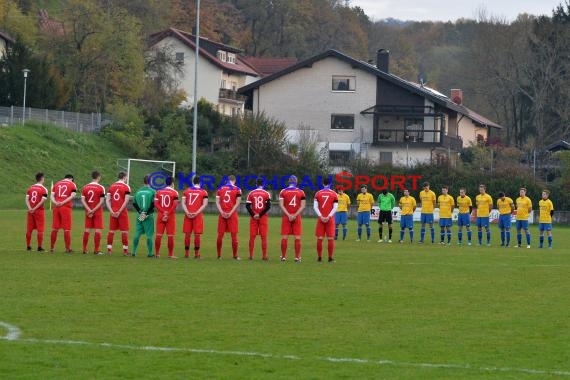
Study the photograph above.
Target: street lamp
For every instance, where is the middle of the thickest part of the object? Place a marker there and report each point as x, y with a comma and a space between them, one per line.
195, 121
25, 71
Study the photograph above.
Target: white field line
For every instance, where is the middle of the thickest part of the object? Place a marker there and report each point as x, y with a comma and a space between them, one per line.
14, 333
468, 264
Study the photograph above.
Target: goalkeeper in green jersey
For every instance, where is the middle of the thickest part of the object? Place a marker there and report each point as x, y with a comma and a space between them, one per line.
144, 204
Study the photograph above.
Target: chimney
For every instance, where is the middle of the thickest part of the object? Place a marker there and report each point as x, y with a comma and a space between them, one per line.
383, 60
457, 96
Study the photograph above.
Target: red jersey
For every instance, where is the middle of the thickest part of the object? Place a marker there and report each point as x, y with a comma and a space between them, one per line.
117, 192
193, 198
258, 199
93, 193
62, 190
326, 198
292, 198
228, 196
166, 200
35, 194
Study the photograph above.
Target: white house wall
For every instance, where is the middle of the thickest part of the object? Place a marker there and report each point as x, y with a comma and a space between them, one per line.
305, 98
209, 75
469, 131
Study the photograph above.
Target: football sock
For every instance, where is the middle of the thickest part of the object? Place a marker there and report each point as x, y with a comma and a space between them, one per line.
320, 247
125, 241
97, 240
502, 237
368, 233
197, 242
480, 236
460, 236
550, 241
540, 241
344, 231
219, 244
442, 235
359, 232
330, 248
469, 236
508, 236
40, 239
519, 239
297, 248
170, 245
53, 238
85, 240
488, 236
251, 245
67, 239
234, 244
284, 247
402, 234
264, 246
411, 235
186, 245
29, 238
422, 234
449, 236
432, 232
528, 238
336, 232
110, 238
157, 244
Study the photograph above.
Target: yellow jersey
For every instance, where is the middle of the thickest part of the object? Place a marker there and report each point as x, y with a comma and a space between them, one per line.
484, 205
504, 206
343, 202
464, 203
524, 207
427, 198
407, 205
545, 206
365, 202
446, 204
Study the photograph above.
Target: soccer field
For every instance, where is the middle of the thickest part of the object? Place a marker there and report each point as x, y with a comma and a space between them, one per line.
380, 311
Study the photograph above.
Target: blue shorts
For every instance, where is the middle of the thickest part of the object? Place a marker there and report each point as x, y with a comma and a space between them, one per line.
464, 220
340, 217
426, 218
544, 227
363, 217
505, 221
406, 221
445, 222
522, 225
482, 221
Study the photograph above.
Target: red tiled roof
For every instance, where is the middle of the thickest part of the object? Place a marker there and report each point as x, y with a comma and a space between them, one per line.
48, 25
267, 66
188, 39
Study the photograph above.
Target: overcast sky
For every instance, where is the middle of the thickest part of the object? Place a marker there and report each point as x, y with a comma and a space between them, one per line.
451, 10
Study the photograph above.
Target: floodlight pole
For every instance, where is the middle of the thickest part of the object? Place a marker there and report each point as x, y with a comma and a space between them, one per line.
25, 71
197, 55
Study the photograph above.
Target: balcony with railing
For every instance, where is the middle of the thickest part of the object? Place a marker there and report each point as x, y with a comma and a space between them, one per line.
227, 94
421, 138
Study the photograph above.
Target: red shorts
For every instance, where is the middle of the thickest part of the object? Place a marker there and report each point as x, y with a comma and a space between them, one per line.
325, 229
121, 223
169, 226
228, 225
291, 228
258, 226
95, 222
61, 218
195, 225
36, 221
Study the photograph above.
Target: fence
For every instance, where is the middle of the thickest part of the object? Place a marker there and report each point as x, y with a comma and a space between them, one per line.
78, 122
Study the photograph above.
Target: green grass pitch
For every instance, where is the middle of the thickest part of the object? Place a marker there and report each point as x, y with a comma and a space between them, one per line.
381, 311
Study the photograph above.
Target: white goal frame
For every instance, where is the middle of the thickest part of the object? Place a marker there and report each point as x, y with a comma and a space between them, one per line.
128, 165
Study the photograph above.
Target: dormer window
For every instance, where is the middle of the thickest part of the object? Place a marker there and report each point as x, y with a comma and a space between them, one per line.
222, 56
231, 58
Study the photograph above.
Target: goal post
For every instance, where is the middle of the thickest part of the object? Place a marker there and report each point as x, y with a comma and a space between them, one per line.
137, 168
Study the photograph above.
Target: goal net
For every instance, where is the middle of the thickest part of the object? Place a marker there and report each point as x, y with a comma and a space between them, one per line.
137, 169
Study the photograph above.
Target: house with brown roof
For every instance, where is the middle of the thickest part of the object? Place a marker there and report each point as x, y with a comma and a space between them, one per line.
354, 109
5, 42
221, 69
